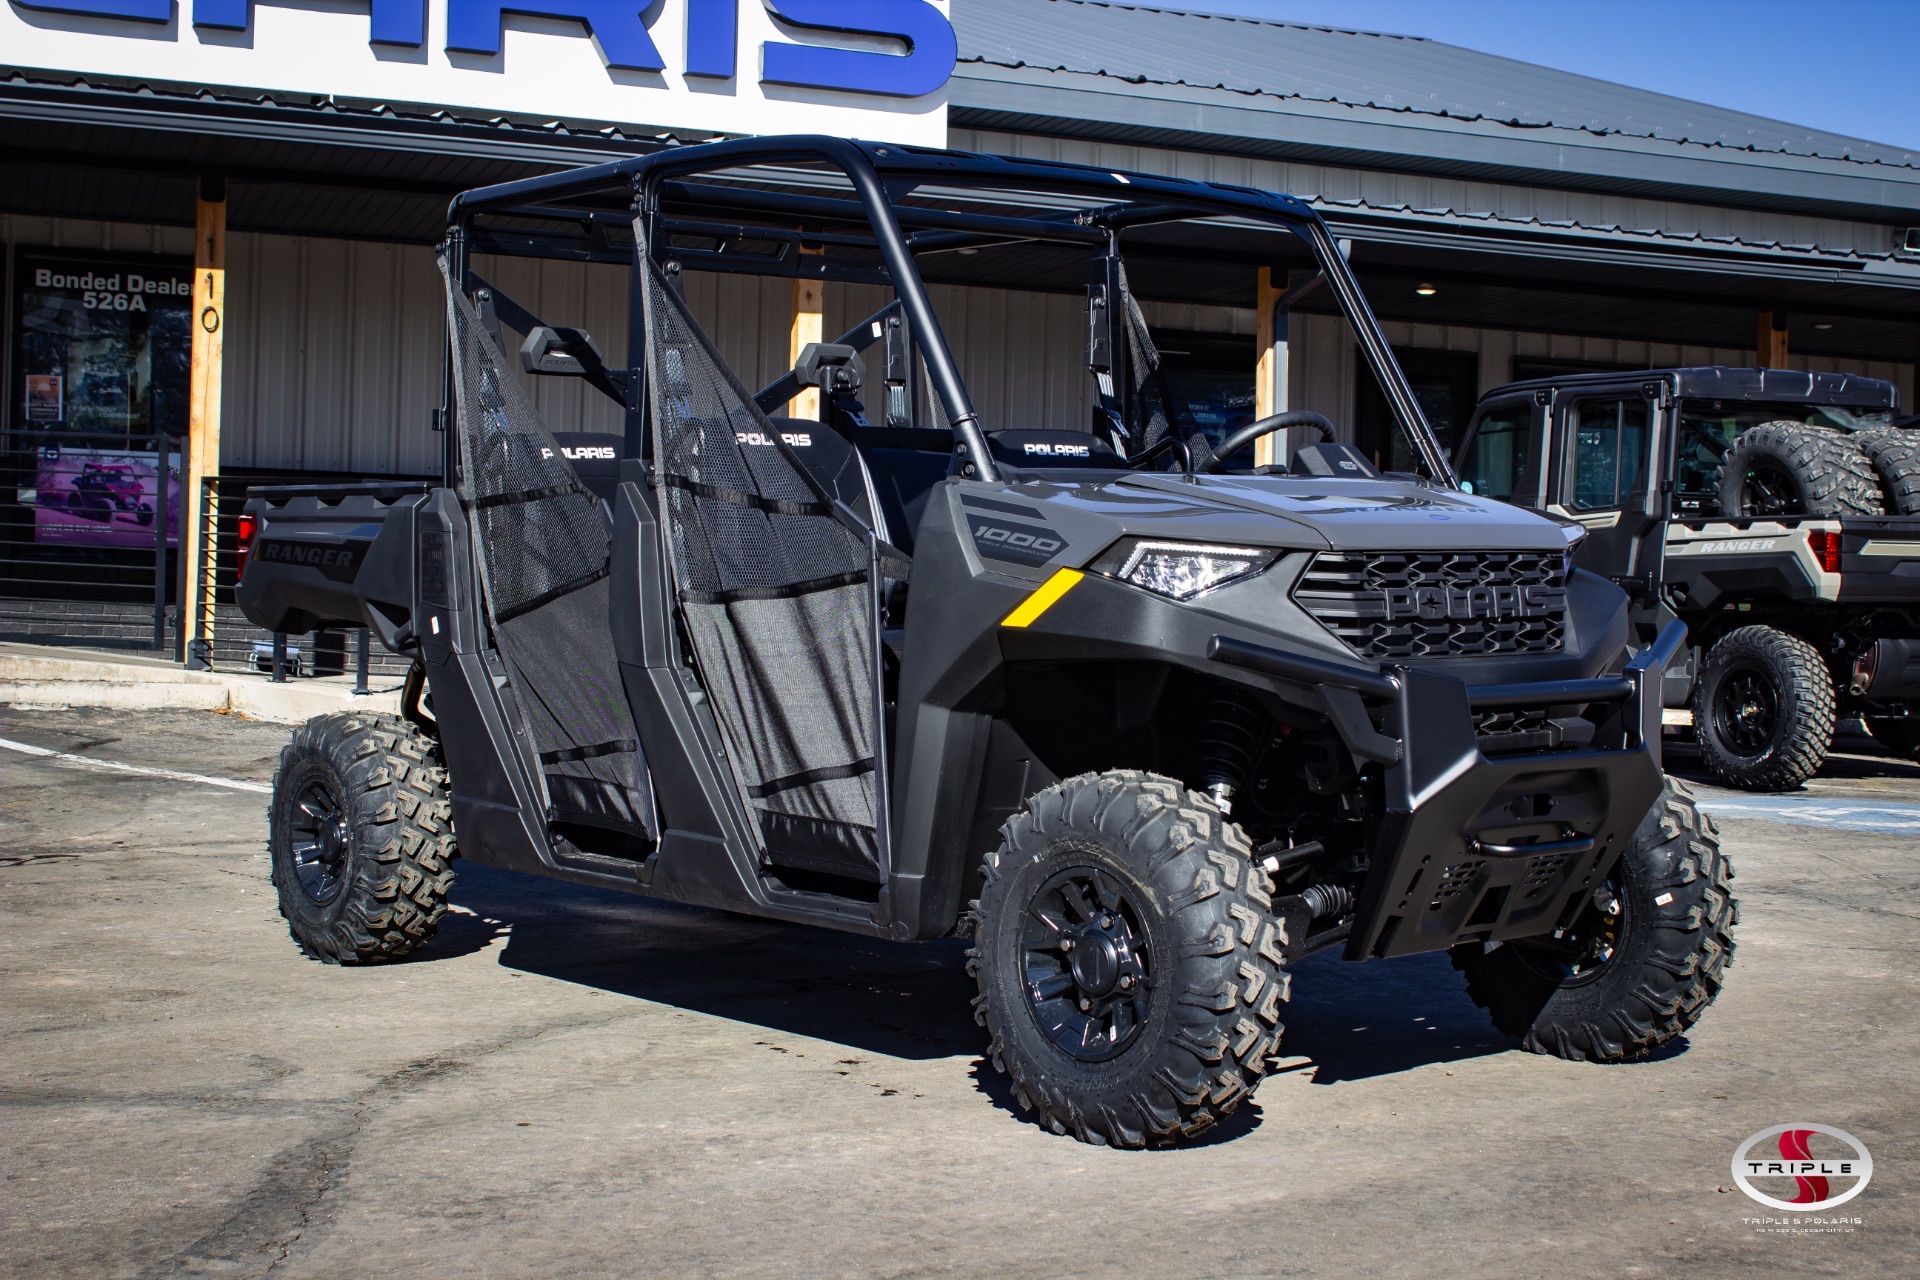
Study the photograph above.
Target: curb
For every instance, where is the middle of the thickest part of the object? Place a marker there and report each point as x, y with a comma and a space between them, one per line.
59, 682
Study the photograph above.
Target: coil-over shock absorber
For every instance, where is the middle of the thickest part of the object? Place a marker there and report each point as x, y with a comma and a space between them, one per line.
1227, 746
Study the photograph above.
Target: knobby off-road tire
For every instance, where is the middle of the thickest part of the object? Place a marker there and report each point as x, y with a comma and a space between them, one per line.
1895, 456
1188, 916
1763, 711
360, 835
1638, 976
1790, 468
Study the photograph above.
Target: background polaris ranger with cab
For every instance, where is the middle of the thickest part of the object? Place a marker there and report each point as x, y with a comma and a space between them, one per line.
1777, 513
1198, 718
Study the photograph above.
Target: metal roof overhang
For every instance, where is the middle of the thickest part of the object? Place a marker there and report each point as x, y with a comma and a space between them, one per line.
111, 154
1067, 104
373, 172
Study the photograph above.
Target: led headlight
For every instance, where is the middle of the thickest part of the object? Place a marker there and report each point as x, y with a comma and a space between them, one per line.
1180, 570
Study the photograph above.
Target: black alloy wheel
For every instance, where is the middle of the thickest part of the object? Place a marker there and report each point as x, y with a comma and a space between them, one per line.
320, 843
1771, 491
1582, 954
1763, 709
1088, 963
360, 838
1130, 965
1746, 713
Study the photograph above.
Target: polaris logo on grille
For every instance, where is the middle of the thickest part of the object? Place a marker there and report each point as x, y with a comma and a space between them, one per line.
1058, 450
1473, 604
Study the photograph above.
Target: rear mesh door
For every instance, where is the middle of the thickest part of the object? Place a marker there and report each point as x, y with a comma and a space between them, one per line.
776, 585
544, 546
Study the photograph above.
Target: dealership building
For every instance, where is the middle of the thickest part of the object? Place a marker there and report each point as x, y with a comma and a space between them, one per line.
1506, 220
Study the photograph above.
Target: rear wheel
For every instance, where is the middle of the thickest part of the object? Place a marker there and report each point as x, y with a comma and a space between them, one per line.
1642, 961
1131, 973
361, 839
1763, 711
1790, 468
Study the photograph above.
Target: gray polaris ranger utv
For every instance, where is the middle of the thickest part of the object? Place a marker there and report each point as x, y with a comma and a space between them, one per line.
1145, 721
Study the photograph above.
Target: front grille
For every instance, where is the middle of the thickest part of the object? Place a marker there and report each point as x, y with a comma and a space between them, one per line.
1509, 721
1438, 604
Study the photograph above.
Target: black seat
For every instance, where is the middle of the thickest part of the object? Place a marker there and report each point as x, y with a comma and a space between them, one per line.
838, 466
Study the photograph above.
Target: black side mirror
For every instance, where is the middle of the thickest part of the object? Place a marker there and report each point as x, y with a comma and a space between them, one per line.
830, 366
558, 350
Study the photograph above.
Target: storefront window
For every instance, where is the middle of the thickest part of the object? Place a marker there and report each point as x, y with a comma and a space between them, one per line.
101, 347
101, 358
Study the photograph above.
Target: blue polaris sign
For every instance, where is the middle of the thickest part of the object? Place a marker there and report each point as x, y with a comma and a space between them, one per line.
623, 34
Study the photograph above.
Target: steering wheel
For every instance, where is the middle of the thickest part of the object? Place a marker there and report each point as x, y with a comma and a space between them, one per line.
1266, 426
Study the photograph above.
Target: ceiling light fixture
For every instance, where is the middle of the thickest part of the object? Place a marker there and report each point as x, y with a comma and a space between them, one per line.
1823, 324
1425, 290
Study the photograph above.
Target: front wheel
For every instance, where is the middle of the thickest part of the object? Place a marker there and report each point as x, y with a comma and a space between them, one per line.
1641, 962
1763, 711
1130, 969
360, 837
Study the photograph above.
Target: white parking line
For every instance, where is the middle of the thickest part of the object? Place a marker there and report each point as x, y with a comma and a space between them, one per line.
1886, 815
67, 757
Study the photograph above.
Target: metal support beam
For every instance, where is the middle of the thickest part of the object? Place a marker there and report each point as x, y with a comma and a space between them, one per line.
199, 508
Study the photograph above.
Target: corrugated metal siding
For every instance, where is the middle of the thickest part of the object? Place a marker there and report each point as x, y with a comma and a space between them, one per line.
334, 347
1332, 187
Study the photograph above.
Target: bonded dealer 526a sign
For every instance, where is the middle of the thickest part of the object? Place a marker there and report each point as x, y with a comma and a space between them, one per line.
862, 68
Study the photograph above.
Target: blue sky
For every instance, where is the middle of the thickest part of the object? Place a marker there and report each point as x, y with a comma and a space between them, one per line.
1846, 66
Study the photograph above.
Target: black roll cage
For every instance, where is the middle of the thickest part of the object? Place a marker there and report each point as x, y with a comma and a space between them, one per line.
881, 175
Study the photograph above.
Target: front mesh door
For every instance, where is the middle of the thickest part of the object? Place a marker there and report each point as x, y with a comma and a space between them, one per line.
776, 585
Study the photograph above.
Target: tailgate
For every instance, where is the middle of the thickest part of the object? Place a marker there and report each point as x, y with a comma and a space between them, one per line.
332, 556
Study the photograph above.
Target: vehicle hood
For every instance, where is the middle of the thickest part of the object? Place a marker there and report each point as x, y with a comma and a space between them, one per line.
1305, 512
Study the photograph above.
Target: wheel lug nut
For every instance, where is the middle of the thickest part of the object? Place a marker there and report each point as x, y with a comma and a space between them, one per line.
1066, 944
1106, 922
1085, 1005
1126, 979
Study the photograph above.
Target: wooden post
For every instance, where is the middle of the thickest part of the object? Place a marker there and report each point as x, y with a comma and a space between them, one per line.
199, 508
809, 318
1270, 374
1770, 349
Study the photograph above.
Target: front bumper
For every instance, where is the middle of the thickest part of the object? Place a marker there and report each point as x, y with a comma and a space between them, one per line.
1474, 847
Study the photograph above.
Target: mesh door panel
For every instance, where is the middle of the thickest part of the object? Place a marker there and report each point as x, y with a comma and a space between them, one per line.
544, 547
776, 590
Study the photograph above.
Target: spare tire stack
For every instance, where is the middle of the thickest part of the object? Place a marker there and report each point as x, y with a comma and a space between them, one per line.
1791, 468
1895, 455
1764, 709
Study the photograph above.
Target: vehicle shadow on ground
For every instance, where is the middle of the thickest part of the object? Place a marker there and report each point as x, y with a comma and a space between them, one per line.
914, 1001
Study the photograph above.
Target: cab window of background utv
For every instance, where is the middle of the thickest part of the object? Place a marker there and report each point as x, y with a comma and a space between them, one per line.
1706, 433
1494, 463
1609, 451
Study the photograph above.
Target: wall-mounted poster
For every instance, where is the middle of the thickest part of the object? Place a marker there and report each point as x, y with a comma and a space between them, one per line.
102, 345
103, 497
45, 401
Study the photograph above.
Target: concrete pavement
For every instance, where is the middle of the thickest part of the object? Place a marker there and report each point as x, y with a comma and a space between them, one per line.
572, 1082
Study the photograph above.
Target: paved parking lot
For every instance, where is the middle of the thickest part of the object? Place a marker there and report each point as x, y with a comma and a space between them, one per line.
576, 1083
